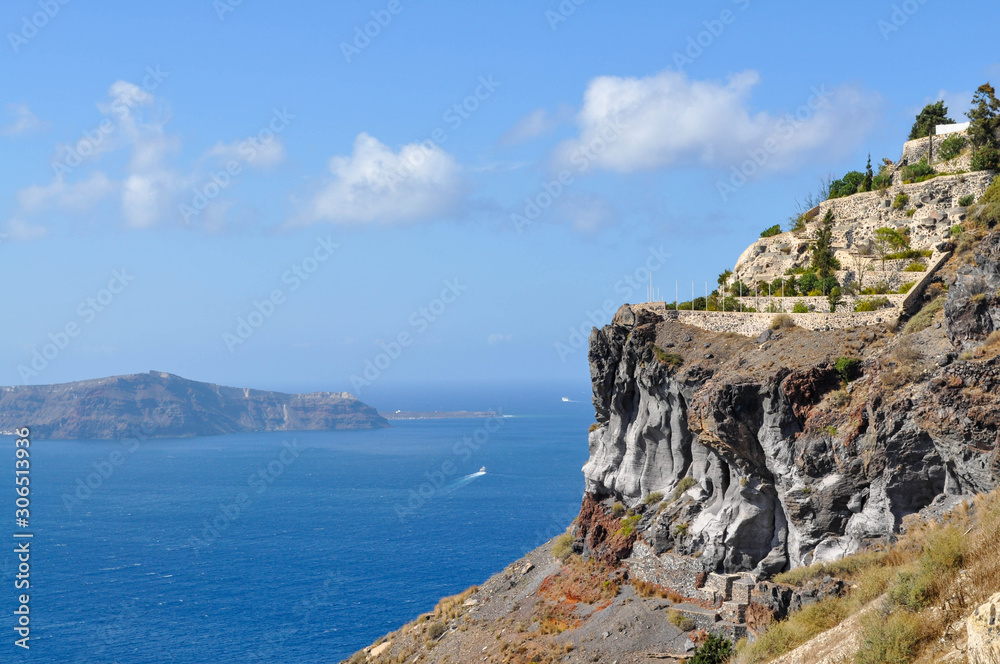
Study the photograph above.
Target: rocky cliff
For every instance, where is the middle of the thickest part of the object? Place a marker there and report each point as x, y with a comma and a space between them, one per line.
775, 463
162, 405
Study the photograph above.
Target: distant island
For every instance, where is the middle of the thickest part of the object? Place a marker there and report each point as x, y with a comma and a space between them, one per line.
162, 405
438, 414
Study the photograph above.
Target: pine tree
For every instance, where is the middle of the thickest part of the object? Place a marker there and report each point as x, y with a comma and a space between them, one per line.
823, 259
931, 116
985, 118
869, 174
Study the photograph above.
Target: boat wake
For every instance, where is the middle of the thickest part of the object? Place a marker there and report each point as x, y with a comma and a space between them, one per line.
462, 481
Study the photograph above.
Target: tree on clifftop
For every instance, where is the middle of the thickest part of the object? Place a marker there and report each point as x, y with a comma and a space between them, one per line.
823, 259
932, 116
984, 128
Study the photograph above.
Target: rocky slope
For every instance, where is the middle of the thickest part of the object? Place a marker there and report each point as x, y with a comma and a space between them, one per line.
163, 405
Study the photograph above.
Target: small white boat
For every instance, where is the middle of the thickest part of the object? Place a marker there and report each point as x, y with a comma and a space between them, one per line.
483, 469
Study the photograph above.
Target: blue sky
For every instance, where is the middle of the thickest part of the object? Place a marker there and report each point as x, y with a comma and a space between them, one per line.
493, 174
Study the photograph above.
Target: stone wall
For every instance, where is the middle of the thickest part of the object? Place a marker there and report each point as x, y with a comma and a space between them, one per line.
677, 573
751, 325
916, 150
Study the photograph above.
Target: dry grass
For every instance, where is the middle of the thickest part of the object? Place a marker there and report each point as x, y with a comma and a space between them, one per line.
923, 318
782, 321
648, 590
935, 574
562, 548
580, 580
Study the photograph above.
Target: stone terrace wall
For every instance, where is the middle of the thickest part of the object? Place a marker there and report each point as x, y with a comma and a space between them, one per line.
668, 570
915, 150
751, 325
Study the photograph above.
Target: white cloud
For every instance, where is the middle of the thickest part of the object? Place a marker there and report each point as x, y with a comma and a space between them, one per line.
376, 185
535, 124
151, 187
498, 338
635, 124
25, 122
76, 197
19, 230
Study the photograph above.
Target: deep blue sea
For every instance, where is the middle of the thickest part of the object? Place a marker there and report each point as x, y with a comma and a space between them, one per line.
255, 548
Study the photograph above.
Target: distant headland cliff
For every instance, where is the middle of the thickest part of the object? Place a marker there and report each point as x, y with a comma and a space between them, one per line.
162, 405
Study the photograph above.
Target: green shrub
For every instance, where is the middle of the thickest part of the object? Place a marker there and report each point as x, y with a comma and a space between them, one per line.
987, 211
891, 639
653, 498
923, 319
912, 589
800, 307
871, 304
986, 159
882, 181
849, 184
910, 253
918, 172
680, 621
951, 147
715, 650
670, 359
682, 486
901, 200
563, 547
848, 368
916, 266
911, 212
628, 525
772, 231
905, 288
966, 201
618, 509
800, 626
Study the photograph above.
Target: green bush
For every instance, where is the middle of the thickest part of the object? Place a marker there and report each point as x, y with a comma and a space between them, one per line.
951, 147
628, 525
882, 181
800, 307
849, 184
905, 288
900, 202
916, 266
848, 368
563, 547
772, 231
910, 253
782, 321
923, 319
670, 359
987, 211
918, 172
715, 650
653, 498
966, 201
871, 304
911, 212
912, 589
891, 639
986, 159
682, 486
680, 621
618, 509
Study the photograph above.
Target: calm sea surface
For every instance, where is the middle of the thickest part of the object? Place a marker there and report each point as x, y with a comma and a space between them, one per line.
300, 547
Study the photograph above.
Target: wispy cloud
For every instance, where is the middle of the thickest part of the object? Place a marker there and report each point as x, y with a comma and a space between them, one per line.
374, 185
151, 188
24, 121
534, 125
